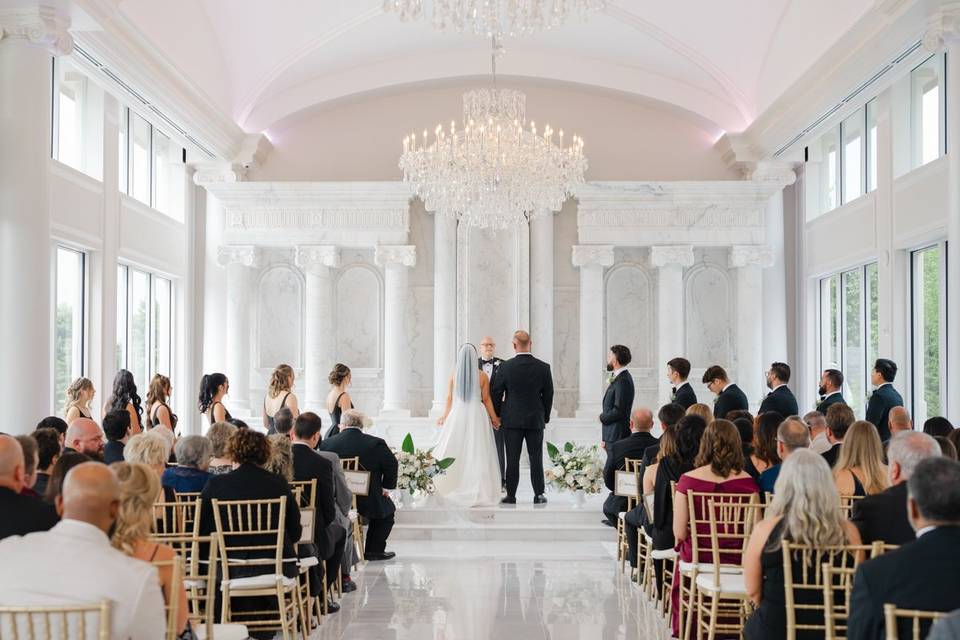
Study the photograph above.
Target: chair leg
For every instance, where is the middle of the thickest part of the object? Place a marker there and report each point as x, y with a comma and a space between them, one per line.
282, 604
691, 607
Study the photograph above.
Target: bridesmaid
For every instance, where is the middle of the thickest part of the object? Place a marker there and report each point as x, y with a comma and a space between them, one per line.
338, 400
125, 398
279, 395
212, 389
79, 396
161, 417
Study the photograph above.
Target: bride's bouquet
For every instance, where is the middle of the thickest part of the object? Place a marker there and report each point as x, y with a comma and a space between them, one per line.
418, 468
575, 468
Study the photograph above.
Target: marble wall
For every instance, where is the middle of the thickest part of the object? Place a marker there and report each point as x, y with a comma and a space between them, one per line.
708, 305
420, 312
280, 317
566, 312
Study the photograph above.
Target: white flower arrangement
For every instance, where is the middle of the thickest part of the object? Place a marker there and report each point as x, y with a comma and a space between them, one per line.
418, 468
575, 468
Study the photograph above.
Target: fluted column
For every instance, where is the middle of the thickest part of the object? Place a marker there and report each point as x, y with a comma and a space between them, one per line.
591, 260
669, 261
240, 262
444, 307
748, 262
541, 286
318, 262
395, 260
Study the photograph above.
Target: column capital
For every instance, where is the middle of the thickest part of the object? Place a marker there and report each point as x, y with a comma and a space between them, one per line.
671, 256
311, 256
215, 172
246, 255
943, 27
40, 26
403, 255
753, 255
586, 255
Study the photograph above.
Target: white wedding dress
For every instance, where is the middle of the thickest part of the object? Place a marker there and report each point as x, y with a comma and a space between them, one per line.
473, 480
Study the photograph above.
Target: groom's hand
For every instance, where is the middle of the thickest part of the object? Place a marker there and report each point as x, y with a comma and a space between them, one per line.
496, 422
603, 445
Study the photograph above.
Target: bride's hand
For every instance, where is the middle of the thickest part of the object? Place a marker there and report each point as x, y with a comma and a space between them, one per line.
496, 422
440, 421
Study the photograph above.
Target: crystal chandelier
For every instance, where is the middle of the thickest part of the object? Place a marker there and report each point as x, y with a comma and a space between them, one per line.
495, 18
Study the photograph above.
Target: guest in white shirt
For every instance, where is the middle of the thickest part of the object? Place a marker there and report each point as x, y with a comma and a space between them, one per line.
73, 563
817, 423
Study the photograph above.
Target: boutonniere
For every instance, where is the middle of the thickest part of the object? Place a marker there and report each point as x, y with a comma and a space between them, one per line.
611, 378
717, 399
673, 396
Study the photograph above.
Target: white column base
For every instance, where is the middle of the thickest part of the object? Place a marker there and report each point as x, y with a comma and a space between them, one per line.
588, 411
394, 413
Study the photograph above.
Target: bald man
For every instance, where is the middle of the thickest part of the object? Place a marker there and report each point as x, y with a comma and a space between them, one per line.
490, 364
899, 420
632, 447
792, 434
74, 563
84, 436
22, 514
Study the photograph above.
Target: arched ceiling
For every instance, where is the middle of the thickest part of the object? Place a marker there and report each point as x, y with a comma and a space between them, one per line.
261, 62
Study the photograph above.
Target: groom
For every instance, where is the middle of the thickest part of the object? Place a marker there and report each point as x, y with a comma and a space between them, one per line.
522, 392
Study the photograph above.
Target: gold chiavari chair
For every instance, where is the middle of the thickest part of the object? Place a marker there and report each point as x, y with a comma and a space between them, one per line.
199, 554
305, 493
171, 598
920, 621
250, 534
846, 505
837, 587
177, 518
353, 464
630, 465
56, 622
191, 501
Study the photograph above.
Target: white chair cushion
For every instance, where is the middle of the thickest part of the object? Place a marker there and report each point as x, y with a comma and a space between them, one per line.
704, 567
306, 563
729, 583
264, 581
621, 515
223, 632
194, 584
663, 554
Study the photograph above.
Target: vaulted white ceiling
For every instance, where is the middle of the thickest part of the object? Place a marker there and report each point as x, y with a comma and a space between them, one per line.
261, 62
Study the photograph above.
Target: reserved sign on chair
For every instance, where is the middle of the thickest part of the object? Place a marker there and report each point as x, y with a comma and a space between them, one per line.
627, 484
358, 481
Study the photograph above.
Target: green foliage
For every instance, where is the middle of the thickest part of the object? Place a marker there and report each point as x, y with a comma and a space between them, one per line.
552, 450
445, 463
407, 446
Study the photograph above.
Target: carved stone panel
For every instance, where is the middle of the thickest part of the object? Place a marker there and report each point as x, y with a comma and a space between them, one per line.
280, 318
358, 318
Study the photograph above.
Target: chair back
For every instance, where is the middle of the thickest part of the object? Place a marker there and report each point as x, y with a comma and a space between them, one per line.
920, 621
199, 554
734, 520
250, 533
55, 622
846, 505
350, 464
177, 518
731, 523
191, 500
305, 493
632, 465
171, 597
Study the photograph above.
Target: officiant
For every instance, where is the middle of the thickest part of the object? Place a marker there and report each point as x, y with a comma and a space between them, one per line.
489, 364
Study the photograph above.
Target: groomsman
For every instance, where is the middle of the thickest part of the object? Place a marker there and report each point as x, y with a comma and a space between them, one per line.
884, 398
490, 364
780, 398
682, 394
831, 389
729, 396
618, 399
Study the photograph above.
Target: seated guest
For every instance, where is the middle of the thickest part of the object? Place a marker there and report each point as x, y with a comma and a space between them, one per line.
954, 438
668, 416
281, 456
64, 463
937, 426
780, 399
153, 450
633, 446
84, 436
377, 458
744, 427
899, 420
48, 452
57, 424
884, 398
884, 516
219, 435
74, 564
30, 461
139, 487
719, 468
193, 458
22, 513
678, 369
839, 418
817, 423
702, 411
640, 516
859, 470
792, 434
947, 628
924, 574
805, 510
764, 454
729, 396
947, 450
831, 390
283, 422
116, 426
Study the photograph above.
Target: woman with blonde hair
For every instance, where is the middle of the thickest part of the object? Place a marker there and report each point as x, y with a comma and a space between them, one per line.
860, 470
338, 400
139, 486
159, 414
281, 456
702, 410
79, 395
279, 395
152, 450
219, 435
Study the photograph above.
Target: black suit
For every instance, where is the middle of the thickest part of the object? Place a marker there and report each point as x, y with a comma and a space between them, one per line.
829, 401
924, 574
633, 446
730, 399
878, 408
884, 516
495, 363
780, 400
377, 458
24, 514
112, 451
832, 454
684, 395
522, 394
328, 536
617, 404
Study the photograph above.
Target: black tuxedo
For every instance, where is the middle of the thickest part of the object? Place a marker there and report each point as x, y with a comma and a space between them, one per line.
112, 451
730, 399
377, 458
884, 398
633, 447
780, 400
684, 395
24, 514
829, 401
884, 516
617, 404
495, 363
923, 574
328, 536
832, 454
522, 394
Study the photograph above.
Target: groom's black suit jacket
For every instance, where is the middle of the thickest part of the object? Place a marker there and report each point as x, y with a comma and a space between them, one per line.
522, 392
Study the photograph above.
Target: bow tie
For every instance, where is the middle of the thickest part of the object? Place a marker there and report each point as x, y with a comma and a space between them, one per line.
673, 389
483, 362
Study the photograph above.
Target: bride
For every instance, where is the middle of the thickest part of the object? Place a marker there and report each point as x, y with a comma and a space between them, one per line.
473, 480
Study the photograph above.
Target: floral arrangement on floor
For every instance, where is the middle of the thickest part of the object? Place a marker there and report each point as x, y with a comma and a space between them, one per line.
418, 468
575, 468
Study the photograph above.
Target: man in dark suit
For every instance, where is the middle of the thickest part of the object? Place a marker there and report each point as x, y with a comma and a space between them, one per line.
633, 447
729, 396
678, 369
831, 389
839, 419
376, 458
923, 574
883, 516
22, 514
780, 399
116, 427
522, 394
490, 364
884, 398
618, 398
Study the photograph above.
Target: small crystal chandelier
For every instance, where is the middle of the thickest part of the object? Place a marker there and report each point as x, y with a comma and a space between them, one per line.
496, 170
495, 18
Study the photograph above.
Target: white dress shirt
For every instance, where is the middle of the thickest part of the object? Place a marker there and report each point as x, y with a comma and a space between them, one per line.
72, 564
821, 444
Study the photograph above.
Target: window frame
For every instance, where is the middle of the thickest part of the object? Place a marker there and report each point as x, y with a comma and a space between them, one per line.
916, 336
862, 113
84, 320
151, 347
916, 111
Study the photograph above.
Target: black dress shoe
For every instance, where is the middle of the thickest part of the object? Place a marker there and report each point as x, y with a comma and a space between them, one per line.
607, 522
332, 607
374, 557
540, 499
349, 586
508, 500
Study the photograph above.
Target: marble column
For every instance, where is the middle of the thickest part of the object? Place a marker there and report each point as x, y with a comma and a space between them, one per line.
28, 39
240, 262
591, 260
318, 262
749, 261
395, 260
541, 286
444, 307
775, 285
669, 262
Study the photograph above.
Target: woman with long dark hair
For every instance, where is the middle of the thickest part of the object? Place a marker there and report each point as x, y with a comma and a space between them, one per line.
160, 414
125, 398
213, 387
